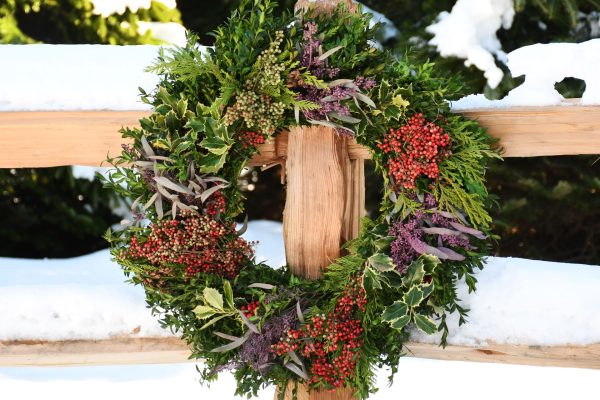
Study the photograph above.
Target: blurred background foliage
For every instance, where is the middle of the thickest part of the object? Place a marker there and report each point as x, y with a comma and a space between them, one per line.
549, 208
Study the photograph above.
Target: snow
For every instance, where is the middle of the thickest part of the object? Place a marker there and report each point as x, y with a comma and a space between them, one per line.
108, 7
169, 32
85, 297
74, 77
417, 378
517, 301
468, 31
543, 66
389, 29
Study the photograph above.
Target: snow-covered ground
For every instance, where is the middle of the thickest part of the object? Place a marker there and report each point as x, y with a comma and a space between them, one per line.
86, 297
416, 379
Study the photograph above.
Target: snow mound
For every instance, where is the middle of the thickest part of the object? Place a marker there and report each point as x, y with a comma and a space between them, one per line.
543, 66
469, 32
74, 77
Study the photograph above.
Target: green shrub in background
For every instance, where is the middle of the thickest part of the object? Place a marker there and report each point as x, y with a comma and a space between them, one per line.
47, 212
74, 22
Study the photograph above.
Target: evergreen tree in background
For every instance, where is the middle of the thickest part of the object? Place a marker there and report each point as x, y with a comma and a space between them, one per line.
548, 207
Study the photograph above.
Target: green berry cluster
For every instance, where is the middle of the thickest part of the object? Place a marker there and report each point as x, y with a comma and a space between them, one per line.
255, 104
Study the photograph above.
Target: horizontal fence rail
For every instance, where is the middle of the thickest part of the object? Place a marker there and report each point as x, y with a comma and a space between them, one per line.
123, 351
54, 138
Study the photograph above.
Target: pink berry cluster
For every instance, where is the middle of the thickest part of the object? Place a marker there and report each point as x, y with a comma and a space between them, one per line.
216, 204
415, 150
251, 139
331, 342
250, 309
197, 242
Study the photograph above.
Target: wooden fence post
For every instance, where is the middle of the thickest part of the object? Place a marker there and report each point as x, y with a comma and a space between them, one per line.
324, 203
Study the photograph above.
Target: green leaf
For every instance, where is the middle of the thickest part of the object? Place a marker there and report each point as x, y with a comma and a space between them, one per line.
414, 274
392, 112
384, 90
213, 298
204, 312
172, 121
182, 107
397, 310
400, 322
215, 145
414, 297
384, 243
213, 321
228, 294
425, 324
212, 163
427, 290
371, 280
393, 279
381, 262
430, 263
196, 124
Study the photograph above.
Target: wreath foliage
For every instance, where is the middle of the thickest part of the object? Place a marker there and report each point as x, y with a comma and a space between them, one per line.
212, 109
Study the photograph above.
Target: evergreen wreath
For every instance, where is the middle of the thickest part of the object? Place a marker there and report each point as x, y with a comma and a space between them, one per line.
212, 109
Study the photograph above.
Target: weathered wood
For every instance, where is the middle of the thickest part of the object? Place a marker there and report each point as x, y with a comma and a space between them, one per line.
316, 165
543, 131
543, 356
166, 350
47, 139
119, 350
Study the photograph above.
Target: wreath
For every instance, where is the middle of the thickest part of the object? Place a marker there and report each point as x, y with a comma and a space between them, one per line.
268, 72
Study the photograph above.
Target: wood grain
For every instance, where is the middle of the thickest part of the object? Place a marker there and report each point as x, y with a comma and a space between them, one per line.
317, 165
166, 350
47, 139
118, 350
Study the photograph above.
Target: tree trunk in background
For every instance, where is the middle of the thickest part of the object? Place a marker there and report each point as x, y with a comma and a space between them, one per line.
324, 203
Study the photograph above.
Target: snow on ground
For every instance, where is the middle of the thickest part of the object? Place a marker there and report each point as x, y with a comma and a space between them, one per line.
518, 301
81, 297
416, 379
469, 31
544, 65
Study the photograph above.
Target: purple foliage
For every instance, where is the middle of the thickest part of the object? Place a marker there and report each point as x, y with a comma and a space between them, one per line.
257, 350
329, 99
430, 232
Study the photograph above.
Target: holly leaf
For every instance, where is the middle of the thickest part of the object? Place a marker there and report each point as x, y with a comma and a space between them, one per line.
215, 145
414, 274
414, 297
400, 322
212, 163
381, 262
213, 298
228, 294
371, 280
204, 312
425, 324
397, 310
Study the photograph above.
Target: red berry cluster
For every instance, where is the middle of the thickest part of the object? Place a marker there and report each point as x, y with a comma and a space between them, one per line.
414, 150
251, 139
249, 309
331, 342
197, 242
216, 204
